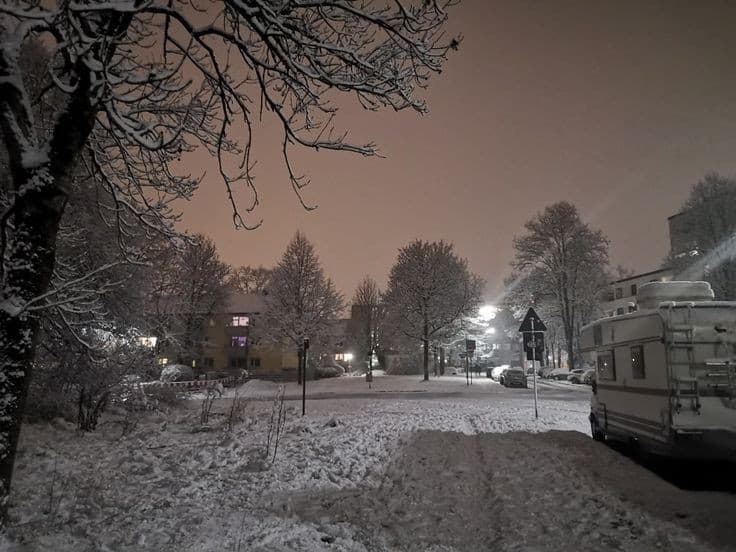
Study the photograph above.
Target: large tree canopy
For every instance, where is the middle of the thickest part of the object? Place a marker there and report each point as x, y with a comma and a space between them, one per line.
302, 300
143, 82
704, 236
561, 262
430, 291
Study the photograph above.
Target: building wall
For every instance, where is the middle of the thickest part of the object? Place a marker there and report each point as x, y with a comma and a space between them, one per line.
622, 293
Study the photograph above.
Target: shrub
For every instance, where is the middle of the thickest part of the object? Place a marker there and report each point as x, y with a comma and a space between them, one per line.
328, 371
177, 372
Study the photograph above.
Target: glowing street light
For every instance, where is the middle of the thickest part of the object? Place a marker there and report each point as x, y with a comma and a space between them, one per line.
487, 312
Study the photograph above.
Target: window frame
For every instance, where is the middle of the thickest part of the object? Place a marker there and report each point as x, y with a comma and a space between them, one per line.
600, 356
239, 321
642, 372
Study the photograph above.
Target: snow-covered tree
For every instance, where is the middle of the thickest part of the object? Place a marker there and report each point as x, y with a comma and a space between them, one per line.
248, 279
144, 82
561, 262
708, 236
367, 319
302, 301
430, 290
187, 286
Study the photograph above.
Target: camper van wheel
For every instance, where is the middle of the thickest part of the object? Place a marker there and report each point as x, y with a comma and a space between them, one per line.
637, 451
596, 431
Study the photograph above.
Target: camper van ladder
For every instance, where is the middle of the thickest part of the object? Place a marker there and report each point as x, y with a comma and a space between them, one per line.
681, 338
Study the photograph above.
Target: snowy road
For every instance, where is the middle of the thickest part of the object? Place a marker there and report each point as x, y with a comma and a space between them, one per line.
445, 467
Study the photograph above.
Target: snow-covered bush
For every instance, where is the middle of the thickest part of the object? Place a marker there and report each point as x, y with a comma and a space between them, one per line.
177, 372
332, 371
76, 383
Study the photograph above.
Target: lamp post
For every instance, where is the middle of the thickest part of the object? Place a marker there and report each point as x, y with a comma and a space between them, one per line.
305, 349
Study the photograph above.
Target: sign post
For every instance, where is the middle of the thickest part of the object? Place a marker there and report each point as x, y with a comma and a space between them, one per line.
532, 329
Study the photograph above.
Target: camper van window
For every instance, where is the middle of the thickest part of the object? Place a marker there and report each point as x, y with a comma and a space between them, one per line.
606, 366
637, 362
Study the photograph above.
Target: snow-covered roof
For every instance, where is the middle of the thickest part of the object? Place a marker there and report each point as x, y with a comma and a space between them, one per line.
239, 302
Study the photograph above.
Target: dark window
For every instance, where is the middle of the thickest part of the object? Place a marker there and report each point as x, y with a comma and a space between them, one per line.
606, 366
255, 362
609, 295
237, 362
238, 341
209, 362
633, 290
637, 362
620, 310
619, 293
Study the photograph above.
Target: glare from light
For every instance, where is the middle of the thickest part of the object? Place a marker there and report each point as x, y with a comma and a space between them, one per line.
487, 312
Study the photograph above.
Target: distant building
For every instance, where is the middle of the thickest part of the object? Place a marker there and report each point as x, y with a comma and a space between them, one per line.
621, 296
228, 344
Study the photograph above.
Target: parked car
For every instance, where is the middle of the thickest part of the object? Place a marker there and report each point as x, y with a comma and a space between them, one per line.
514, 377
454, 371
498, 371
589, 376
576, 376
558, 374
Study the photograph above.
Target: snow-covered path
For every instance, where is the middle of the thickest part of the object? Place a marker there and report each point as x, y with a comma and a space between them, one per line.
174, 484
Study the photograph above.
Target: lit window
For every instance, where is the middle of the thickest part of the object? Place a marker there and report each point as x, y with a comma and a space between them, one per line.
339, 356
238, 341
147, 341
239, 320
163, 361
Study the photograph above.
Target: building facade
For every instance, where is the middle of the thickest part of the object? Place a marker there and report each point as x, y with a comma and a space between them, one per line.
621, 296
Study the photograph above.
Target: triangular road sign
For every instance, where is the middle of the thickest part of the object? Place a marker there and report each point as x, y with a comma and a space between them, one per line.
532, 318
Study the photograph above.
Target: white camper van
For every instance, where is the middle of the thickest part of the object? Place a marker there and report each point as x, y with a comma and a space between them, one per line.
666, 373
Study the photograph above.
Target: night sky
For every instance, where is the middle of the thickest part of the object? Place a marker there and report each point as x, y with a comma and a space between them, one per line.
618, 107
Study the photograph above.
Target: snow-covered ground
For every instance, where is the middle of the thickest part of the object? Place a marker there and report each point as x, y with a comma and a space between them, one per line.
347, 476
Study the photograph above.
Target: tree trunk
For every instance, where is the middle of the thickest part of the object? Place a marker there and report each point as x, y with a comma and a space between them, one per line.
559, 357
425, 343
28, 274
39, 193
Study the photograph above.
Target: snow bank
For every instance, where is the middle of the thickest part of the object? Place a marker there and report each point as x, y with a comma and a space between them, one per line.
173, 484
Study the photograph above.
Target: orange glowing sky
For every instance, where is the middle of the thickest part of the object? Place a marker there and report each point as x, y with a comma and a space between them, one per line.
619, 107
